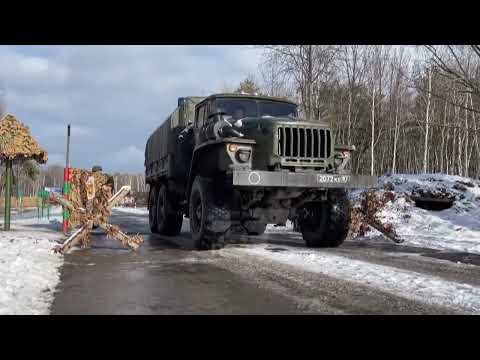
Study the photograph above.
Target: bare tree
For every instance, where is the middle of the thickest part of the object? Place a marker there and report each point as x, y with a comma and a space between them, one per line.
353, 63
425, 144
305, 65
459, 63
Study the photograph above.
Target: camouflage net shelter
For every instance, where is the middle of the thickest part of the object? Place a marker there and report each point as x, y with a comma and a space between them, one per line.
16, 144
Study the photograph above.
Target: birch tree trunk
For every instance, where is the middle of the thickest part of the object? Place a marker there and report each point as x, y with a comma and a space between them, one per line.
372, 158
425, 150
349, 115
395, 139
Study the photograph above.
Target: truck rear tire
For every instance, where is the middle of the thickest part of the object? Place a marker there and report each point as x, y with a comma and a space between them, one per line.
169, 219
329, 227
152, 209
209, 216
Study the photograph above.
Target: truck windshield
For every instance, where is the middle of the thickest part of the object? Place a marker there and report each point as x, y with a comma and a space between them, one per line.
242, 108
271, 108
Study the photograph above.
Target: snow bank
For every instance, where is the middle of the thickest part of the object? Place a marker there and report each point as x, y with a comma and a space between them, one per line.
29, 270
457, 228
407, 284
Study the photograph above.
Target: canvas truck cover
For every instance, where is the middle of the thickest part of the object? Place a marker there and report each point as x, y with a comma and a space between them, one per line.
161, 145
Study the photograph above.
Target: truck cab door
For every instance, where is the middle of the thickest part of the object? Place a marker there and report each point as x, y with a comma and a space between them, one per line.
200, 116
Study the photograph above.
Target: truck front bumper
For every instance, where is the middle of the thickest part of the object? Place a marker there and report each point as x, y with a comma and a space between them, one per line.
301, 180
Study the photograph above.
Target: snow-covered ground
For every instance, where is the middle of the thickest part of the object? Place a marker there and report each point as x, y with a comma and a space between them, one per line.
412, 285
29, 270
457, 228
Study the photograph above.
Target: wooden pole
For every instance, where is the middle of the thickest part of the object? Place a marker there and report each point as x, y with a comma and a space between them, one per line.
8, 194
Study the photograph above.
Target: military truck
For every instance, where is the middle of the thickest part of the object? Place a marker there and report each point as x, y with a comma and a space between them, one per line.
234, 163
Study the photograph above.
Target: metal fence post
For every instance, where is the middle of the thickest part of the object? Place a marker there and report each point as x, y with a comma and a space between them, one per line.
66, 184
8, 194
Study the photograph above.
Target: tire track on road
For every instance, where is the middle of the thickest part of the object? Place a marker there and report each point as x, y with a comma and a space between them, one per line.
315, 292
436, 293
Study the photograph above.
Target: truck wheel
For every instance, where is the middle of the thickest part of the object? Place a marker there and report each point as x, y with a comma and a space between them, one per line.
209, 217
152, 210
329, 225
169, 222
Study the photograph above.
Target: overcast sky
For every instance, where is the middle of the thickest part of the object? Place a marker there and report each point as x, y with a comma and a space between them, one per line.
114, 96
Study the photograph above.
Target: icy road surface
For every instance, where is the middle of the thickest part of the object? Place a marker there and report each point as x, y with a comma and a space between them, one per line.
271, 274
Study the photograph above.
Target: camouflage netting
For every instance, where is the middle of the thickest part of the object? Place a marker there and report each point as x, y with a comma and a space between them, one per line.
365, 215
78, 194
88, 214
16, 142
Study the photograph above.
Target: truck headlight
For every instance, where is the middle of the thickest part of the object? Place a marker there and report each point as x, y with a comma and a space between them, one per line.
240, 153
243, 155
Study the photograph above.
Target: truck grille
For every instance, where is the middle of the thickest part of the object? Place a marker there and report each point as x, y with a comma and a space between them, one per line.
303, 143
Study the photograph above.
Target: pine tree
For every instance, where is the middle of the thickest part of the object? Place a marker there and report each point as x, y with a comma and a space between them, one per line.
248, 86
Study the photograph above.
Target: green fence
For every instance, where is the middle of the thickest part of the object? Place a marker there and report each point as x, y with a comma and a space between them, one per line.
43, 203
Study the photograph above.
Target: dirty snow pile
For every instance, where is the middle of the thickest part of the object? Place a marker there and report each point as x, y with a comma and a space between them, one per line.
29, 270
456, 228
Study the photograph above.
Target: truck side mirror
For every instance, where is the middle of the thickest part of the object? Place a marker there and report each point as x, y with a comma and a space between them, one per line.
181, 101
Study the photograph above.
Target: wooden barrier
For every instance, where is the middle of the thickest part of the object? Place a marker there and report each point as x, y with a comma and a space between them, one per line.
28, 202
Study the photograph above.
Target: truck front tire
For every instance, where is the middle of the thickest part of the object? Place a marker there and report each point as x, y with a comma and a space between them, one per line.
209, 217
169, 219
331, 221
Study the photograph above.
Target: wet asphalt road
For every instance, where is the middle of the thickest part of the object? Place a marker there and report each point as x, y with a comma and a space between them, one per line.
161, 278
167, 277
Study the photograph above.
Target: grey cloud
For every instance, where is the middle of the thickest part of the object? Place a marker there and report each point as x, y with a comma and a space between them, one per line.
114, 96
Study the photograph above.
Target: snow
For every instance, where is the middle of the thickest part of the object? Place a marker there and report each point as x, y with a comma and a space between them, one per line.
457, 228
287, 229
137, 211
424, 288
29, 270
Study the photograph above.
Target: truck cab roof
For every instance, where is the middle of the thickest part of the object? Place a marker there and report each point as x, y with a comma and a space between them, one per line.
245, 96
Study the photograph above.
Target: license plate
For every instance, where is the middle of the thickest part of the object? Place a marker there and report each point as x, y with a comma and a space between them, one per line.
330, 179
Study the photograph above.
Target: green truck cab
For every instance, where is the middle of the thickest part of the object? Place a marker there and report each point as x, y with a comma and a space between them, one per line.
234, 163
